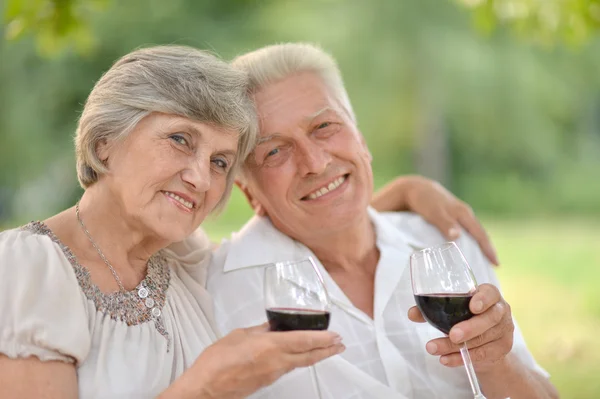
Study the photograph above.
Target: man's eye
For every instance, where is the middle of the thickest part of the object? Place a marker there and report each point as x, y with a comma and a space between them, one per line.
275, 156
179, 139
221, 164
326, 129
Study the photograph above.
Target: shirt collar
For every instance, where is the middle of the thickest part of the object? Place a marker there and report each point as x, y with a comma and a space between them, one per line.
388, 234
260, 243
395, 246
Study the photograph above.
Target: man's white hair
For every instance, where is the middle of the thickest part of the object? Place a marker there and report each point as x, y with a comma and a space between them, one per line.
271, 64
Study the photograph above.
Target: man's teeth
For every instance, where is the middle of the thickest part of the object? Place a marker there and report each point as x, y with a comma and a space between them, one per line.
324, 190
176, 197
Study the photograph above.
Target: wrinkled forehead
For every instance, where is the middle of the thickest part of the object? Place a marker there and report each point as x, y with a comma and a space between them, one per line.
206, 133
294, 101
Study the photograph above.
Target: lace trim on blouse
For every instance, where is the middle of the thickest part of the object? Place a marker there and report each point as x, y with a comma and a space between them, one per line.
134, 307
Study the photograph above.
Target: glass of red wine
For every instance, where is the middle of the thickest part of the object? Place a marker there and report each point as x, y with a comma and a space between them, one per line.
296, 299
443, 285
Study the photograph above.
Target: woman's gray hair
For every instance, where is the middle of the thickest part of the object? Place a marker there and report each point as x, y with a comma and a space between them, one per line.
175, 80
271, 64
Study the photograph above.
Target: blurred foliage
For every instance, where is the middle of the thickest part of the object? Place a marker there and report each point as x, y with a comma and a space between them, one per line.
511, 126
58, 24
542, 21
549, 276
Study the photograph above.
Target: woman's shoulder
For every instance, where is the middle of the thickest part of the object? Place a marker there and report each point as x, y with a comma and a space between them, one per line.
32, 258
39, 298
21, 234
30, 245
29, 242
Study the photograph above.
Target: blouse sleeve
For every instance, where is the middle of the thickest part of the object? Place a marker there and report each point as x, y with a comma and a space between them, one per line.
42, 309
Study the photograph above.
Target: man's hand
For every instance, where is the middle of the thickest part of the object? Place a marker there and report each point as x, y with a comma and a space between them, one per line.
489, 333
435, 204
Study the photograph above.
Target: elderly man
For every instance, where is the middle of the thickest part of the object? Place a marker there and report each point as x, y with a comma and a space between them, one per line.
309, 181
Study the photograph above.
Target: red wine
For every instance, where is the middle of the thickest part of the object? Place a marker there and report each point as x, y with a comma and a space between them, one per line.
443, 311
289, 319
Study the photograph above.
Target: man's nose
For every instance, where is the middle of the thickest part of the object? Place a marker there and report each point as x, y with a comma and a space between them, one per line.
314, 159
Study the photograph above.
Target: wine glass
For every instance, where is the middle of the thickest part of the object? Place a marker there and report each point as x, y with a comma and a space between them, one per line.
443, 285
296, 299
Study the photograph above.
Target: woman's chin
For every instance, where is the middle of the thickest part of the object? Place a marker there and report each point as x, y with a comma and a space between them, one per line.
173, 234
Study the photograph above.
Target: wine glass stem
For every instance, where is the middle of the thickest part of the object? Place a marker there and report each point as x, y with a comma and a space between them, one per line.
313, 373
464, 352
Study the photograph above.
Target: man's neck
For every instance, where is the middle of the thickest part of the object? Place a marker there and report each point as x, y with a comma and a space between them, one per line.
350, 256
349, 249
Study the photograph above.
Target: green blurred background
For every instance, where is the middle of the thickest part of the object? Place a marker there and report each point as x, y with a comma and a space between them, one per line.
497, 99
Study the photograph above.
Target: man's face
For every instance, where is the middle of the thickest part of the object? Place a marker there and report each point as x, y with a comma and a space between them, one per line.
311, 171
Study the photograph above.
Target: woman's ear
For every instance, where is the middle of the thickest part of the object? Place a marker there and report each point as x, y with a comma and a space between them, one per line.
102, 151
254, 203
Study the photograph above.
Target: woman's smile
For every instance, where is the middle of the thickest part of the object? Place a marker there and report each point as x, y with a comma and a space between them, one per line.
180, 200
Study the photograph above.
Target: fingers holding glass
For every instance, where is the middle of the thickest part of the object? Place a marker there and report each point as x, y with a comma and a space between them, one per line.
443, 286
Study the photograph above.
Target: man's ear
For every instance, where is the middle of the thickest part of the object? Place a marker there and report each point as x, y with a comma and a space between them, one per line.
254, 203
364, 144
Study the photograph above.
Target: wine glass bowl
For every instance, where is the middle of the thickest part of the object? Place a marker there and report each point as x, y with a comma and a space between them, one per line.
443, 285
296, 299
441, 269
295, 296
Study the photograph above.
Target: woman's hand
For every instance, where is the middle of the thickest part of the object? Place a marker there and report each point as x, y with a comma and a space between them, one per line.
436, 205
248, 359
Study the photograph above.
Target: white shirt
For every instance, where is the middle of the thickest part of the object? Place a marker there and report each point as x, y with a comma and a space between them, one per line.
385, 357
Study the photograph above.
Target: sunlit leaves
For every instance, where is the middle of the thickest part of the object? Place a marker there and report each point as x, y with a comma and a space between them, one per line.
56, 24
546, 22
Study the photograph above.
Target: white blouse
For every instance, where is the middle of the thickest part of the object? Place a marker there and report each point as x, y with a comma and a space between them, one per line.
124, 345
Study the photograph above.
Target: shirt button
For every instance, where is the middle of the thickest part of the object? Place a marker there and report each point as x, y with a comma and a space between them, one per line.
149, 302
143, 292
156, 312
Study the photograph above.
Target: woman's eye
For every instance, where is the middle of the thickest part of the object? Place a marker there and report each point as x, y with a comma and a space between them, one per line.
323, 125
274, 151
179, 139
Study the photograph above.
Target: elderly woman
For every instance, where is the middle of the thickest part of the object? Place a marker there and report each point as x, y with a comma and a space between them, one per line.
92, 304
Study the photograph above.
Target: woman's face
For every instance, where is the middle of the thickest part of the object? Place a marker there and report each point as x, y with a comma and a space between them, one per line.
168, 174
